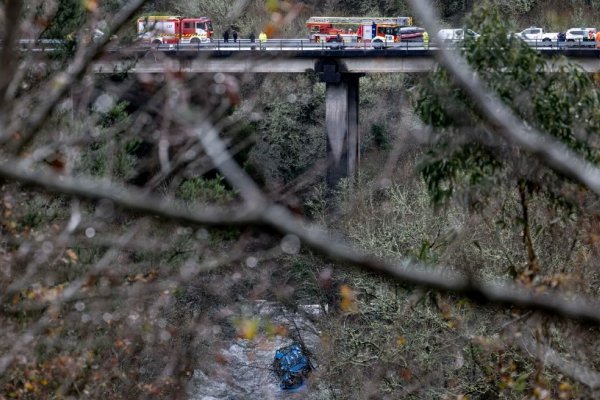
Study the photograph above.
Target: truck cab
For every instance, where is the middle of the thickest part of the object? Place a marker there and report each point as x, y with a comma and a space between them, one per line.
535, 33
456, 35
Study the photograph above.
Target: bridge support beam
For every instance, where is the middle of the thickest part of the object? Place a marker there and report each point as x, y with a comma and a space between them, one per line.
341, 121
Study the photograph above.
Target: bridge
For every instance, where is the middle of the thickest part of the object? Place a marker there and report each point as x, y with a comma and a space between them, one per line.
339, 66
301, 55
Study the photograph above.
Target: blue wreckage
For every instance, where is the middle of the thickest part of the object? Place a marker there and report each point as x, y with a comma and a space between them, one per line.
292, 366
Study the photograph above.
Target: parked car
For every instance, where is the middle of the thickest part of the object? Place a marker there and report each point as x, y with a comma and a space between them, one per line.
454, 35
411, 33
579, 34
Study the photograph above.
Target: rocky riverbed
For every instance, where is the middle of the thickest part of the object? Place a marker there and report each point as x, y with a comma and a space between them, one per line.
246, 368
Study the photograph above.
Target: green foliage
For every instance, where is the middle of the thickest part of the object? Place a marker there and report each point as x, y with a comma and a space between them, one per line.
113, 5
563, 104
69, 18
380, 136
206, 190
292, 131
112, 152
218, 236
316, 202
470, 165
105, 159
448, 8
40, 211
32, 219
115, 115
516, 6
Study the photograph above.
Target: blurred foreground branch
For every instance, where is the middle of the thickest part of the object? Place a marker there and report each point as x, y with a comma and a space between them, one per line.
261, 212
58, 86
581, 373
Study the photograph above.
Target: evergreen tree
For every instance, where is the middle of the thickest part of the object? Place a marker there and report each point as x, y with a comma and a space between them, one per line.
69, 18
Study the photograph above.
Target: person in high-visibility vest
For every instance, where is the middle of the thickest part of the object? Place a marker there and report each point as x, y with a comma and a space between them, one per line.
262, 38
425, 40
598, 40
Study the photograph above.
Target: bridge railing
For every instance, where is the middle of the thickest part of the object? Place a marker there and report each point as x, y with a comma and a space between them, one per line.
41, 45
285, 44
562, 44
306, 45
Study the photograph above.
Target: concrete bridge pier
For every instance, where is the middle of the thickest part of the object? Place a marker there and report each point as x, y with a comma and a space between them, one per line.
341, 121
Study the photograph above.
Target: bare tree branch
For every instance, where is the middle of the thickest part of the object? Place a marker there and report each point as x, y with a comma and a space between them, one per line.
130, 198
548, 355
260, 212
7, 55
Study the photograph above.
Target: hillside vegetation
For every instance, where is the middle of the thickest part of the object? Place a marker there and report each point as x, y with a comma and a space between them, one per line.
144, 217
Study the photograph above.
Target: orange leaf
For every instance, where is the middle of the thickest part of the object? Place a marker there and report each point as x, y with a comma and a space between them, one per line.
401, 341
565, 386
90, 5
72, 255
248, 328
348, 301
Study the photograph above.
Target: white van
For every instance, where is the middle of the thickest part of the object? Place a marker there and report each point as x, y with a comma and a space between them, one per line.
455, 35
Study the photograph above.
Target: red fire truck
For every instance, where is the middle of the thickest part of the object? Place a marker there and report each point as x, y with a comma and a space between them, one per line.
174, 29
375, 30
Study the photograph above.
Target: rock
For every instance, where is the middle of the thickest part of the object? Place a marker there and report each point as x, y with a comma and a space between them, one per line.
247, 372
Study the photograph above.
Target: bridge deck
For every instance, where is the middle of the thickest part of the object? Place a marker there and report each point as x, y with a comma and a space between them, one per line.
351, 60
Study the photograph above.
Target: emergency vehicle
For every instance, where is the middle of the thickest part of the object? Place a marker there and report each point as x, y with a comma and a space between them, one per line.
376, 30
174, 30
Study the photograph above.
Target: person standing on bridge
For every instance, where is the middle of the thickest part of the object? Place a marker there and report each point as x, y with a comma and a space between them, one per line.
226, 36
262, 38
252, 38
562, 37
426, 40
235, 36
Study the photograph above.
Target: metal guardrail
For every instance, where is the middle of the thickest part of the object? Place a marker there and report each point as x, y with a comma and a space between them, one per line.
286, 45
564, 44
43, 45
281, 44
305, 44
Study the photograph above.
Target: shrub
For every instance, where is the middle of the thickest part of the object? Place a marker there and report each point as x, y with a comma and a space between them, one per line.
202, 190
